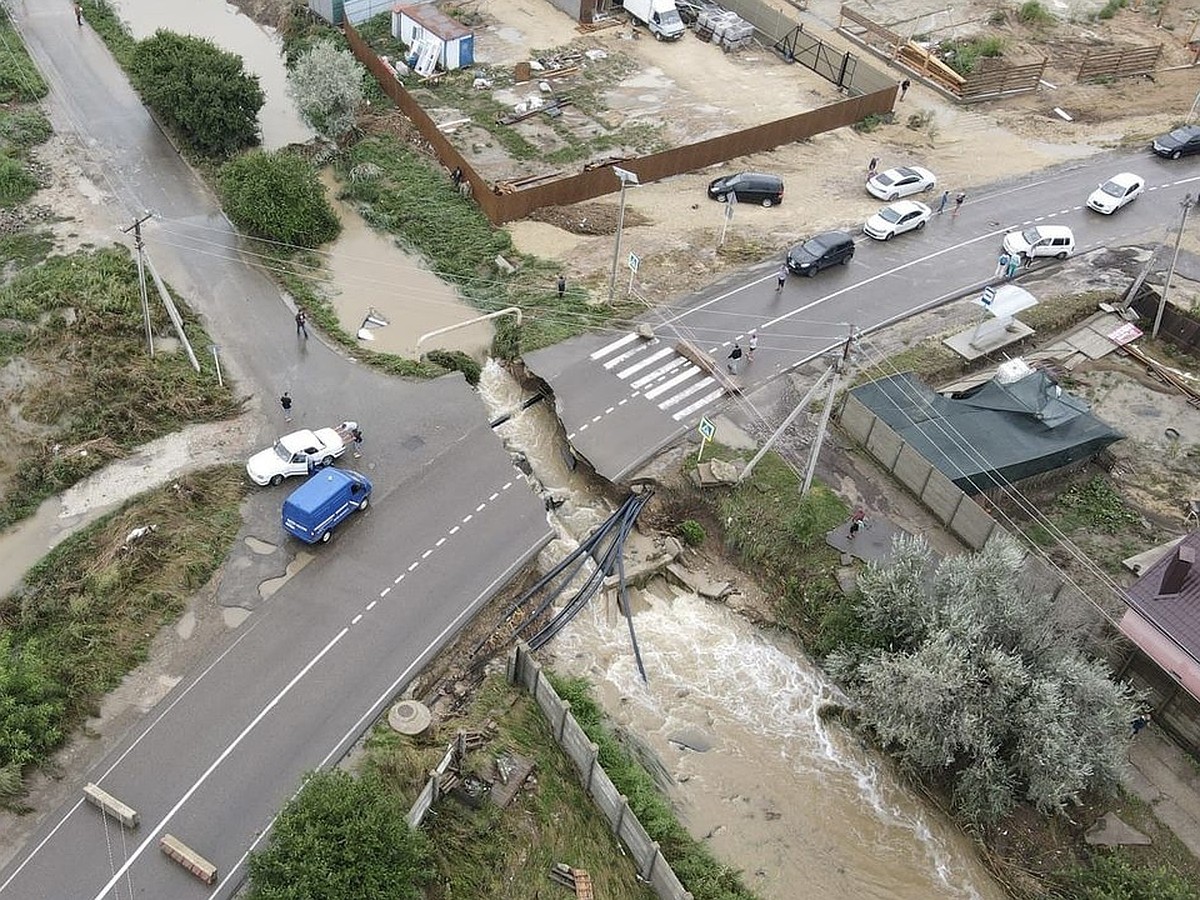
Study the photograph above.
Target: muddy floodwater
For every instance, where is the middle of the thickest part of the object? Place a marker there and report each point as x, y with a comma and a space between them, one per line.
226, 27
370, 275
795, 802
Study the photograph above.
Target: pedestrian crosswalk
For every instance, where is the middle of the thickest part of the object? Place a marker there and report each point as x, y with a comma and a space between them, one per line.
655, 371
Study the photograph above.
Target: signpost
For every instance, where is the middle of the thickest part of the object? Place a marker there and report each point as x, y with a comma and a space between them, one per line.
707, 432
730, 200
634, 262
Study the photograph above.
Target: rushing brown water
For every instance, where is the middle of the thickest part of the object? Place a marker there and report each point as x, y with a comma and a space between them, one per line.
732, 713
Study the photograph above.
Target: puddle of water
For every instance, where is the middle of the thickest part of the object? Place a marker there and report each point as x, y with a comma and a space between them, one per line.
782, 795
226, 27
25, 543
375, 274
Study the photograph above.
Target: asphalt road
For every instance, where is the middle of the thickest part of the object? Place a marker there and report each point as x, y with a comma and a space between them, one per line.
613, 385
311, 668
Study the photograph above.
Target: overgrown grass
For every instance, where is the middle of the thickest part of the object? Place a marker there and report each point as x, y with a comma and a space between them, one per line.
17, 183
411, 199
1032, 12
19, 78
19, 251
964, 56
103, 19
92, 606
489, 852
781, 536
1111, 8
97, 393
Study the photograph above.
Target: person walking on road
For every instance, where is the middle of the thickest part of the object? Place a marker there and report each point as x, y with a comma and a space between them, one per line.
78, 15
286, 402
562, 285
357, 435
945, 200
1014, 263
904, 86
735, 356
302, 323
1002, 263
752, 345
781, 278
958, 202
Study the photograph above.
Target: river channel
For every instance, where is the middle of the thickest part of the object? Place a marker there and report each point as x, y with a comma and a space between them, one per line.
732, 713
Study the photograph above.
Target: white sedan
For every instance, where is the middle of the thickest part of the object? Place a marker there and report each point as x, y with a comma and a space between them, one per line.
901, 216
896, 183
1116, 192
293, 453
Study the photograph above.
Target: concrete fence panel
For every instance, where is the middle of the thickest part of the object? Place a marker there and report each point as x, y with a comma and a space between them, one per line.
855, 419
942, 496
912, 470
885, 445
973, 526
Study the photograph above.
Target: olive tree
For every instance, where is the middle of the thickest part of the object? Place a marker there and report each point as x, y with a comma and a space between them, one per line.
199, 90
973, 676
326, 84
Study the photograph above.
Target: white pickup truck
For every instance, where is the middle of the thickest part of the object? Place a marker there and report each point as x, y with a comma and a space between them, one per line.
293, 452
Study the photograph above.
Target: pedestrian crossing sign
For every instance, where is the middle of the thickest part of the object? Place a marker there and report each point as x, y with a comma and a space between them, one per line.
707, 429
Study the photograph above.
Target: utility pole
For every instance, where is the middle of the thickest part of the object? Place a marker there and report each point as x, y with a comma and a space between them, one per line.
138, 244
800, 407
1186, 205
627, 178
839, 369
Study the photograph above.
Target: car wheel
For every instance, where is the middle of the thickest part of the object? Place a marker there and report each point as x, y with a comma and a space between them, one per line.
1062, 255
893, 197
1177, 154
846, 261
768, 202
326, 462
889, 235
657, 36
810, 271
276, 480
326, 536
366, 501
920, 225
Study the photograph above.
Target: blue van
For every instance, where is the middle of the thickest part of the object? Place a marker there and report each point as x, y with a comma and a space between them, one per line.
314, 508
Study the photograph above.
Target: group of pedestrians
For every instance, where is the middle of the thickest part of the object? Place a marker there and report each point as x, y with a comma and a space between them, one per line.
959, 199
735, 355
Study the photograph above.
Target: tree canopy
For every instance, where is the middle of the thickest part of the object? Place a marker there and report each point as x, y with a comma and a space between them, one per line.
327, 85
341, 836
279, 197
199, 90
974, 676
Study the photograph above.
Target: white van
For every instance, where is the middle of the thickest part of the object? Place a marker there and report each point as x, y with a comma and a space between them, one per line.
1041, 240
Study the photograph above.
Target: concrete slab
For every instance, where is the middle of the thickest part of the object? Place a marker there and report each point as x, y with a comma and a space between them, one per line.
872, 543
1110, 831
967, 345
1140, 562
731, 435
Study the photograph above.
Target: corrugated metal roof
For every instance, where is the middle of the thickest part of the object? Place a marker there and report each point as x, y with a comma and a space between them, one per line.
433, 20
1177, 615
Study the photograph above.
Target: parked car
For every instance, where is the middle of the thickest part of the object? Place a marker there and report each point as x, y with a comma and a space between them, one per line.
820, 252
292, 453
1041, 240
314, 509
1116, 192
896, 183
1181, 142
901, 216
748, 187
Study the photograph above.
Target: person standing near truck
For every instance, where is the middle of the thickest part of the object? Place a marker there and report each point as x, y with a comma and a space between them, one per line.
356, 433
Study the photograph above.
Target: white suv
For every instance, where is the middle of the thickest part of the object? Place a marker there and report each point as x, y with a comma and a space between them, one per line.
1041, 240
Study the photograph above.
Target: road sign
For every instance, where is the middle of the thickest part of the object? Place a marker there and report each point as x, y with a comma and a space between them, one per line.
634, 262
989, 294
707, 429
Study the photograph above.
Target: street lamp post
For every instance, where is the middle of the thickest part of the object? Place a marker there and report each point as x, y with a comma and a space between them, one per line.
627, 178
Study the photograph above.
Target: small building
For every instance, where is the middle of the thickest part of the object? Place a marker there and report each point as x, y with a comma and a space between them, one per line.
1016, 426
354, 11
432, 35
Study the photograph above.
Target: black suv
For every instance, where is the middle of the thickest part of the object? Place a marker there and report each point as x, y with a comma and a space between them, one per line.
820, 252
748, 187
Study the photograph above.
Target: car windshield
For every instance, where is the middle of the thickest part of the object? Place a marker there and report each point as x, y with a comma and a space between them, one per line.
283, 452
1031, 236
670, 17
1113, 189
816, 246
889, 214
1183, 135
734, 180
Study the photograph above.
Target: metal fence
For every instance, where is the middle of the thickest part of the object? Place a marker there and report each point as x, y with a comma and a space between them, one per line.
652, 868
586, 185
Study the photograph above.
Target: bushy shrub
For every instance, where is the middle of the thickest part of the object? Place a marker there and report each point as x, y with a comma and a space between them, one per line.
278, 196
691, 532
1034, 13
1113, 877
327, 84
199, 90
456, 361
1110, 9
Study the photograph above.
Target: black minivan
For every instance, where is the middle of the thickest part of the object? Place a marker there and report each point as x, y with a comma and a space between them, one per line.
820, 252
748, 187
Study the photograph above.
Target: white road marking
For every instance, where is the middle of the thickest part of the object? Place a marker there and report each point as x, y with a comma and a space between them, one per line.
382, 594
615, 345
425, 555
356, 619
648, 361
371, 605
617, 360
455, 529
686, 392
699, 404
667, 385
440, 541
493, 497
659, 372
413, 566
